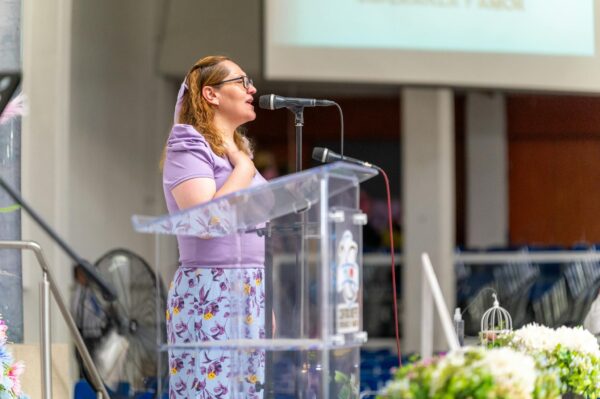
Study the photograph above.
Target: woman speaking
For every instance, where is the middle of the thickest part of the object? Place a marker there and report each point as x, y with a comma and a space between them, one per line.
206, 157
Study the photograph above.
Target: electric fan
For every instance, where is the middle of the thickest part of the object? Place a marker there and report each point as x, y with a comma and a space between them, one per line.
128, 351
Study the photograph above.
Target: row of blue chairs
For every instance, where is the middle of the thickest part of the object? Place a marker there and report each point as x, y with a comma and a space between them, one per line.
552, 294
376, 368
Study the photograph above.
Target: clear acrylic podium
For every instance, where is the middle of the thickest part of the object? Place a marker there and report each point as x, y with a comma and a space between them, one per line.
313, 279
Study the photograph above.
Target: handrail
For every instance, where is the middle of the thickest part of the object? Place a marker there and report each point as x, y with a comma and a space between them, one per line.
431, 294
520, 256
49, 282
493, 258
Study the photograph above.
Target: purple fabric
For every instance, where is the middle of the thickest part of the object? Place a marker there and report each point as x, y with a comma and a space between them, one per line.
190, 156
202, 307
182, 90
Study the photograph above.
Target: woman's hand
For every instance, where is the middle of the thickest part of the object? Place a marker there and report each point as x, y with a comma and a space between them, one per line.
198, 190
243, 171
237, 157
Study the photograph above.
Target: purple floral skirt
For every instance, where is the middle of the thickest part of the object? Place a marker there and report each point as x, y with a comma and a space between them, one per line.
200, 308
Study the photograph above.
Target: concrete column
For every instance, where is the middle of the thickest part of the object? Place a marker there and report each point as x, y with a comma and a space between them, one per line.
487, 170
10, 170
428, 200
45, 160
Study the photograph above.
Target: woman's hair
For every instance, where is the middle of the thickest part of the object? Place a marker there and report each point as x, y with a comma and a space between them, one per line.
197, 112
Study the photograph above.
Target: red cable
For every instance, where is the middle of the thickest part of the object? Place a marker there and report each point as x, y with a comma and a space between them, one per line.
389, 204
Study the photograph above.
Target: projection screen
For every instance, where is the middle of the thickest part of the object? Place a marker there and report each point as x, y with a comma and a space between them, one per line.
519, 44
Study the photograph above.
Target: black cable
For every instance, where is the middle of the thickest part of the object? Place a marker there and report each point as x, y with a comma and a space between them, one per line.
391, 232
392, 249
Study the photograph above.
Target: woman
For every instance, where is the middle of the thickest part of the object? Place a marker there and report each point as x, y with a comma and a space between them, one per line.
207, 157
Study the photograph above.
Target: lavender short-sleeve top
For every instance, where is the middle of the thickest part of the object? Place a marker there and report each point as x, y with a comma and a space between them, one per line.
190, 156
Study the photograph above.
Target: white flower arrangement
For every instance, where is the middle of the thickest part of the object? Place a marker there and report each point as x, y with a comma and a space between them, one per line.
511, 369
541, 338
534, 362
573, 354
10, 371
474, 372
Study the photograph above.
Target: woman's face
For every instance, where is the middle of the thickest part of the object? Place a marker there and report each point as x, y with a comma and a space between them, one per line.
235, 100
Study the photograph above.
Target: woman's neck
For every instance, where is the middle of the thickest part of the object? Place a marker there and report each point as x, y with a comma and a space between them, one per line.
226, 129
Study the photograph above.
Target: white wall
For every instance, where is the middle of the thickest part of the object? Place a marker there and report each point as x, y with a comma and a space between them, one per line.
120, 117
99, 115
194, 28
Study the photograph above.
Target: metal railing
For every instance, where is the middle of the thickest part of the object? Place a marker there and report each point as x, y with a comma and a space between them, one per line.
47, 286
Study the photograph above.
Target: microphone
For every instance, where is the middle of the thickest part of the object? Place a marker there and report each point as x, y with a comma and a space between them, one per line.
272, 101
325, 155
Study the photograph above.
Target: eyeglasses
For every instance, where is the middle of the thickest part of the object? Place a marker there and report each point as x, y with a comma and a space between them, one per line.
246, 81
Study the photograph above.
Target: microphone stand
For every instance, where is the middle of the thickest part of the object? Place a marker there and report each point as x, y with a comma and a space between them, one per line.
108, 292
297, 230
300, 250
298, 123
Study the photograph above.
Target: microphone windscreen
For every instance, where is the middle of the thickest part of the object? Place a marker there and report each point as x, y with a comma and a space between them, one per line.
318, 154
265, 102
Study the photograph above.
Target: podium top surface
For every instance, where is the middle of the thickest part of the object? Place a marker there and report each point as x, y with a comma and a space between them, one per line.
249, 208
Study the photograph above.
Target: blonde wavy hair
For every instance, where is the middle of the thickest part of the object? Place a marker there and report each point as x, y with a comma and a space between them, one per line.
199, 113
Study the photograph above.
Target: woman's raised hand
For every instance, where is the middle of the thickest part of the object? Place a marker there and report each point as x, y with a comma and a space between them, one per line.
237, 157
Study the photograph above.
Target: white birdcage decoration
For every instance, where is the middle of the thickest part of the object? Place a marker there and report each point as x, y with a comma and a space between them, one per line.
496, 321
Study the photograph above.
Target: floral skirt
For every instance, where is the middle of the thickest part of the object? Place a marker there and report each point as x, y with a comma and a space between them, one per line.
200, 307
